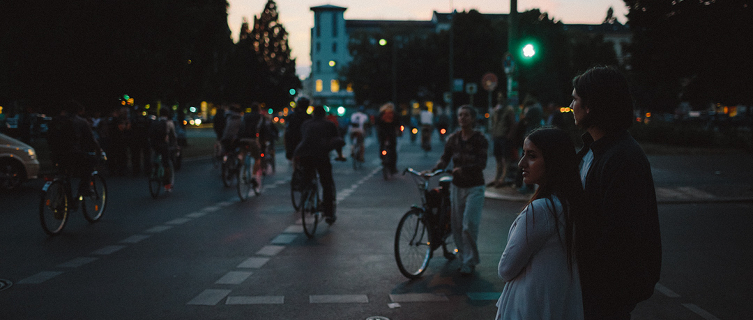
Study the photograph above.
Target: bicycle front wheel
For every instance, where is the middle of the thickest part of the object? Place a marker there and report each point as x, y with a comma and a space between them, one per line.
245, 180
95, 203
54, 208
309, 212
412, 246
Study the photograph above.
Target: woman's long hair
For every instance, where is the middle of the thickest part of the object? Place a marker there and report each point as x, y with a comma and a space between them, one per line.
562, 179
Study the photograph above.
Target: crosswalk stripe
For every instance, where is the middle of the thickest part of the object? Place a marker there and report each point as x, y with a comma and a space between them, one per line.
255, 300
209, 297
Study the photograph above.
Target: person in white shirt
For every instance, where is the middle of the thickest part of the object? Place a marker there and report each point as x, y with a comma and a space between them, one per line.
357, 131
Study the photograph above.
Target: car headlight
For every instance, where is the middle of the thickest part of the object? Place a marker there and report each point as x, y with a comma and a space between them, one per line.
31, 153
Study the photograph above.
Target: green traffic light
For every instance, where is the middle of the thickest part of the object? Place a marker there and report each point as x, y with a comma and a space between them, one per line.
292, 92
529, 51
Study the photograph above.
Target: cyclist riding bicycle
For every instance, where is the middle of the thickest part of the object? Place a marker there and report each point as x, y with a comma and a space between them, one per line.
357, 131
163, 140
73, 146
319, 138
388, 128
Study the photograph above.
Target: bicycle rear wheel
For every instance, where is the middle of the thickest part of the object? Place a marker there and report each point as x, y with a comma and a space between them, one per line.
412, 246
229, 173
245, 180
309, 211
95, 203
54, 207
296, 188
155, 180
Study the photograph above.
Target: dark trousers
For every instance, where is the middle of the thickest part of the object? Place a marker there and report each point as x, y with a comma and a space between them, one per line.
596, 310
324, 168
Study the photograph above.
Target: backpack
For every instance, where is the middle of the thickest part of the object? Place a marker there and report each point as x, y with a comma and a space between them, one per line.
157, 132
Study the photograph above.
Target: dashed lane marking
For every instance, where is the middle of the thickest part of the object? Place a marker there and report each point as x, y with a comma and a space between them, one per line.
418, 297
209, 297
196, 215
158, 229
107, 250
178, 221
234, 277
666, 291
284, 238
135, 238
294, 229
253, 263
75, 263
40, 277
270, 250
339, 298
211, 209
255, 300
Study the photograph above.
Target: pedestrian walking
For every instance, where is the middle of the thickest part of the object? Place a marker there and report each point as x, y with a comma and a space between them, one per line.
620, 254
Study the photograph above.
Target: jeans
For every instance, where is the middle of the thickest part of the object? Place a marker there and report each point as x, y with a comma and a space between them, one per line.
467, 205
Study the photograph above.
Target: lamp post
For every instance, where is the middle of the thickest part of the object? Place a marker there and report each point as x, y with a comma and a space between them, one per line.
510, 68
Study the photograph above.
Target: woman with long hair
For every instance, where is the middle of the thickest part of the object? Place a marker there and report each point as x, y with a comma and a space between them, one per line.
539, 262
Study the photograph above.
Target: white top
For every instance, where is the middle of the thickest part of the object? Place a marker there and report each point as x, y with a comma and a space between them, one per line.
359, 118
539, 283
585, 164
427, 117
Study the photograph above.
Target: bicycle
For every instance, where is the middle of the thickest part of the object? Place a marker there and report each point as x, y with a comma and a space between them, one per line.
158, 175
57, 202
247, 181
310, 204
388, 159
296, 186
229, 170
356, 149
424, 228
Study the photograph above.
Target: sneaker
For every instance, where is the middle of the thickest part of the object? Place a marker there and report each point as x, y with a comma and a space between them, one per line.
330, 219
341, 159
467, 270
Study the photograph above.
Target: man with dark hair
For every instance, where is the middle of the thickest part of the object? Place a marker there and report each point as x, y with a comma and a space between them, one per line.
619, 251
293, 126
319, 137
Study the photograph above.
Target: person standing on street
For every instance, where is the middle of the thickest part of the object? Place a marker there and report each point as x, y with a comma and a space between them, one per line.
467, 149
620, 248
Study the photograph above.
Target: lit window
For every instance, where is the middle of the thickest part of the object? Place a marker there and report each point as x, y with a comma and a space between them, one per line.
334, 85
319, 86
349, 87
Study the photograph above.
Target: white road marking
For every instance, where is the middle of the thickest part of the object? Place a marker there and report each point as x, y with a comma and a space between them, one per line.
211, 209
234, 277
270, 250
695, 193
703, 313
666, 291
135, 238
418, 297
255, 300
75, 263
209, 297
284, 238
40, 277
196, 215
339, 298
158, 229
107, 250
294, 229
253, 263
178, 221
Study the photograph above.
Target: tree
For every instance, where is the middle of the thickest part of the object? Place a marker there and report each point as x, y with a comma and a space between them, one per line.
268, 42
691, 44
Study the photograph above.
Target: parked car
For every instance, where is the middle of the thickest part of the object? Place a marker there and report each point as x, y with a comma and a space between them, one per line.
18, 163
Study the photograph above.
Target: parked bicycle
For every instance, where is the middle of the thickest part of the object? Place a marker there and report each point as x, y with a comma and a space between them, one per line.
57, 201
424, 228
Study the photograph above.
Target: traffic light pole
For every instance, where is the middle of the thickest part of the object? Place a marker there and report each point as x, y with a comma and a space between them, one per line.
511, 69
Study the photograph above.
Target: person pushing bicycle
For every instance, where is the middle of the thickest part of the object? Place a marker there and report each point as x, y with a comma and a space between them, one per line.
319, 138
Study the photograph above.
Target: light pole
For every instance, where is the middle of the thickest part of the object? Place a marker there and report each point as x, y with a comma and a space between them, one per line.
511, 69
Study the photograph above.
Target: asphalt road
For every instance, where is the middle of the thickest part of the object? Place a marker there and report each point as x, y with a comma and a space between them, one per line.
200, 253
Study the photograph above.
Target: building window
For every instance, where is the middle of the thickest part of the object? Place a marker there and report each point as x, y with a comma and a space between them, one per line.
318, 47
334, 25
319, 85
334, 47
349, 87
334, 85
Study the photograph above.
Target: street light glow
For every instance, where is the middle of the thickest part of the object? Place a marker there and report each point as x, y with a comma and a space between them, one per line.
528, 51
382, 42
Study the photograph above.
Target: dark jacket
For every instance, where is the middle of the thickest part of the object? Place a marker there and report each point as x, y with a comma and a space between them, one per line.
293, 130
469, 155
319, 137
620, 255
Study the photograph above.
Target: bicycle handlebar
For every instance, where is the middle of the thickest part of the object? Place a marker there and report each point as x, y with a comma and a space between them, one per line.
426, 175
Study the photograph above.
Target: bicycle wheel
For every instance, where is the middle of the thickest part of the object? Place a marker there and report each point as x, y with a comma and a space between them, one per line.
296, 189
245, 180
54, 207
309, 212
229, 173
95, 203
412, 247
